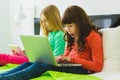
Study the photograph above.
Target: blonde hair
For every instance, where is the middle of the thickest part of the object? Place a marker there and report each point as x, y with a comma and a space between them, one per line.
52, 15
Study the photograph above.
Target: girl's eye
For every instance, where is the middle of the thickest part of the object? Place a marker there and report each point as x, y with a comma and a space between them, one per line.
70, 26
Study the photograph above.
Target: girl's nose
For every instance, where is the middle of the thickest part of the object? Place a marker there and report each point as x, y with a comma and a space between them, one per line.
66, 28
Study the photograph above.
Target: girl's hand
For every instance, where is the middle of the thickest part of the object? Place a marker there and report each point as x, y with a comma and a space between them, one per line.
62, 58
18, 52
14, 52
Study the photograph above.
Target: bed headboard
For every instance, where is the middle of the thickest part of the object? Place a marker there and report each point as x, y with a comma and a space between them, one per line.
102, 21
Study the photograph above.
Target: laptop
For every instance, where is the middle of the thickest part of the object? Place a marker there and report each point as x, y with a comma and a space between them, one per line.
38, 49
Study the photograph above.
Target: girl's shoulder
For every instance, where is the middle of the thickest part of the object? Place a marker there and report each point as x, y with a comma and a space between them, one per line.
58, 33
93, 34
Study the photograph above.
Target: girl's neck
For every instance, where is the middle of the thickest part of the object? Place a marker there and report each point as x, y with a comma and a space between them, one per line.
53, 30
75, 39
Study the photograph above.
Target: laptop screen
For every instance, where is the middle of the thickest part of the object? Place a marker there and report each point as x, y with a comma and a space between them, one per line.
38, 49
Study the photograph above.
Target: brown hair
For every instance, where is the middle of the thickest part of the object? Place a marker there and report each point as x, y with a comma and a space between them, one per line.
75, 14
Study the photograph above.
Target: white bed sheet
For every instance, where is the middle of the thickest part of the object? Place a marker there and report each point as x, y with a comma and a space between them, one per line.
108, 75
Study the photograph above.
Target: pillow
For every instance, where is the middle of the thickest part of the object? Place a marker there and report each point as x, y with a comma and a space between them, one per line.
111, 49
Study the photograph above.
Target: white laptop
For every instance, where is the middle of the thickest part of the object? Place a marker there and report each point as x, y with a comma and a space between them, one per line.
38, 49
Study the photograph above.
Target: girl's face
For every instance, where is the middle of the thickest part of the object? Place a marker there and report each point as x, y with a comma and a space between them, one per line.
45, 22
71, 29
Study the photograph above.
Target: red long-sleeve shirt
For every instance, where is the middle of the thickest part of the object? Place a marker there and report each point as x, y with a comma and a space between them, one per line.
92, 57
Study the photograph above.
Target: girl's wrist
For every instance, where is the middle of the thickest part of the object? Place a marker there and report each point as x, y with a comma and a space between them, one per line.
68, 59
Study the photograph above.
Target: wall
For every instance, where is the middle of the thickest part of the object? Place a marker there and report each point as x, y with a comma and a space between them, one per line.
22, 27
92, 7
4, 25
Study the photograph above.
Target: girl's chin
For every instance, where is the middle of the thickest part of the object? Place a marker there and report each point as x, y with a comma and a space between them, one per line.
72, 35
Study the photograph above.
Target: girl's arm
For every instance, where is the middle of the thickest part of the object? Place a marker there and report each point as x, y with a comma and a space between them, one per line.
59, 44
96, 64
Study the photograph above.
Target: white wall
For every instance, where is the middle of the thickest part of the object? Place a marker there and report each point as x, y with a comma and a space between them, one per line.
4, 25
33, 8
23, 27
92, 7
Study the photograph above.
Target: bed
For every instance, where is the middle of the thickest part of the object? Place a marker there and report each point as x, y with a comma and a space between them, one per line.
111, 68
